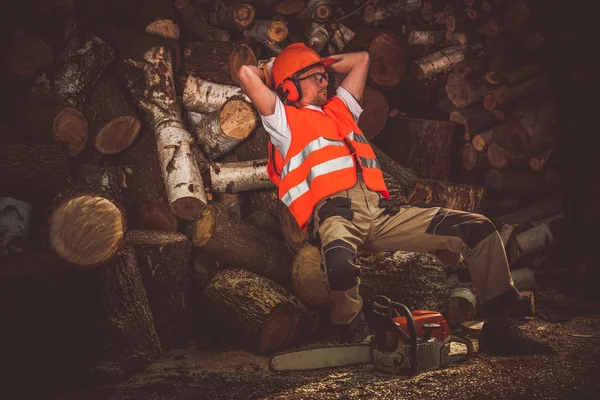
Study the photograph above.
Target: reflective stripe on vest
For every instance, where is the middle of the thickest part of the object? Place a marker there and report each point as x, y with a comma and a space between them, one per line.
321, 169
320, 143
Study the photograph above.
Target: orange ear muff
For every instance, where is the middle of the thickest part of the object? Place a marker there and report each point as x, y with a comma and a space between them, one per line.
291, 89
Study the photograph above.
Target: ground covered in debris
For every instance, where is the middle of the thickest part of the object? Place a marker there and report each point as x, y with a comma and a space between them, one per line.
573, 372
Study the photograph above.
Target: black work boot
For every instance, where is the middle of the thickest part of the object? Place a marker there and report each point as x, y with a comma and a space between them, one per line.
356, 331
510, 340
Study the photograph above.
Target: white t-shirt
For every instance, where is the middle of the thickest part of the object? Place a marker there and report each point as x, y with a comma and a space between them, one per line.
279, 130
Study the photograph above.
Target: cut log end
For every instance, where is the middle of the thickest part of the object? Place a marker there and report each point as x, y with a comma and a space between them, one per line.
165, 28
237, 119
118, 134
496, 156
71, 129
29, 55
187, 207
86, 230
241, 55
388, 60
204, 227
155, 216
278, 31
490, 102
279, 329
244, 15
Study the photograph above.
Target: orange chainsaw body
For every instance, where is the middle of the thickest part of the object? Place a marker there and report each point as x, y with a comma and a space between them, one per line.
426, 317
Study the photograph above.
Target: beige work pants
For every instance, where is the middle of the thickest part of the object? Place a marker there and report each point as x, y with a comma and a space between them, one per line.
356, 217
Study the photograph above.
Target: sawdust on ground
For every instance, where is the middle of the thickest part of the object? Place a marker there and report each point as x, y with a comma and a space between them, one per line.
573, 372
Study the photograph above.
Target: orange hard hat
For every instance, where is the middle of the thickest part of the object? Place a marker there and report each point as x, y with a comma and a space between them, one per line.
296, 58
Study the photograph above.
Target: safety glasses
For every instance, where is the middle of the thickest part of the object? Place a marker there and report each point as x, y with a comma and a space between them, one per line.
318, 77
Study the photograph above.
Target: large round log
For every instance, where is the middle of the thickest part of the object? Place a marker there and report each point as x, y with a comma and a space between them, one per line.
86, 230
217, 61
259, 313
448, 195
124, 322
417, 280
28, 53
425, 146
65, 125
203, 96
240, 244
157, 17
387, 53
512, 139
375, 112
33, 181
222, 130
79, 64
163, 259
113, 123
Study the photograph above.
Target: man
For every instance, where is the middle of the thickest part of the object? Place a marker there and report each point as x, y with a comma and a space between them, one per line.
330, 180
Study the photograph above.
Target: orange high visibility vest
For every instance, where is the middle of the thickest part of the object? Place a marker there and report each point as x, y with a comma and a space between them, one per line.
322, 158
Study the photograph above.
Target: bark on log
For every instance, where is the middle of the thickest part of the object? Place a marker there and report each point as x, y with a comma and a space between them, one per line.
387, 53
15, 221
237, 17
417, 279
181, 175
125, 325
204, 96
449, 195
434, 63
235, 177
86, 230
291, 232
78, 66
465, 92
506, 94
163, 259
65, 125
33, 182
264, 315
28, 54
255, 147
194, 23
342, 35
551, 205
475, 119
512, 140
516, 182
157, 17
217, 61
425, 37
425, 146
240, 244
375, 112
260, 200
472, 159
399, 180
264, 221
385, 15
114, 124
529, 242
222, 130
110, 180
483, 139
318, 37
269, 33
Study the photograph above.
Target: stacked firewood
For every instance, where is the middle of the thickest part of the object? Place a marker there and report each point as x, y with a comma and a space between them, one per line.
135, 160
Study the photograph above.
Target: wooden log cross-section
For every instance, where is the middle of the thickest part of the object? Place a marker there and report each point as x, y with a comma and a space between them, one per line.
255, 310
158, 17
463, 92
183, 182
223, 129
235, 17
163, 259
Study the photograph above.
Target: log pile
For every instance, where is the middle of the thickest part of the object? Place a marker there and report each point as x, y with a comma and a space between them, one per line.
141, 164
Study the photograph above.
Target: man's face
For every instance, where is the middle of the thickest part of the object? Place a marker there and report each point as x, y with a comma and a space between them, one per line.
314, 87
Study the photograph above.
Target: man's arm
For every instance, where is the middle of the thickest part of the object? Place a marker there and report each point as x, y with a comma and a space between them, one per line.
356, 67
252, 81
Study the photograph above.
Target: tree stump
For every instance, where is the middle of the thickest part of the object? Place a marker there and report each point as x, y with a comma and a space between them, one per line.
239, 244
451, 195
163, 259
217, 61
425, 146
262, 314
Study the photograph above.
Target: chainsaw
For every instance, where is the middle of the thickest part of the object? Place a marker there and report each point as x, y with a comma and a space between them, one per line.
402, 343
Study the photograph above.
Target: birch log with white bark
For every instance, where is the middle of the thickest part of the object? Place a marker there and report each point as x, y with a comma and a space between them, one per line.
203, 96
183, 182
220, 131
240, 176
15, 220
434, 63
